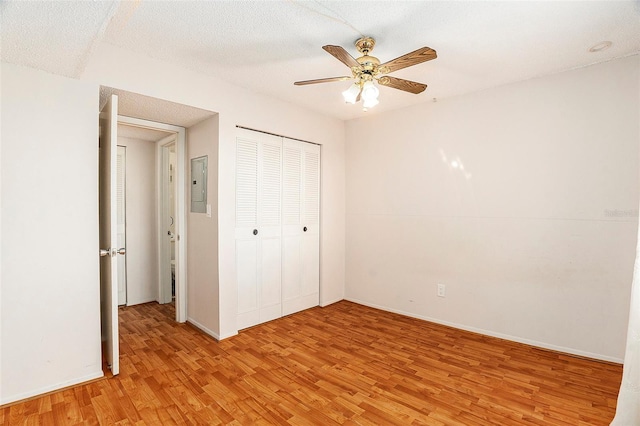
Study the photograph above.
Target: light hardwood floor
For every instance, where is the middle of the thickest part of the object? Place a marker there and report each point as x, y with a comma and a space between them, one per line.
343, 364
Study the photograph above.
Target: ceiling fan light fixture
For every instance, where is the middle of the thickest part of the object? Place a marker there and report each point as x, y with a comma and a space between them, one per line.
370, 93
351, 94
367, 71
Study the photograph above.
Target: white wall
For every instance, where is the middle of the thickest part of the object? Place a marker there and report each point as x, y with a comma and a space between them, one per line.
50, 314
523, 238
202, 233
114, 67
141, 225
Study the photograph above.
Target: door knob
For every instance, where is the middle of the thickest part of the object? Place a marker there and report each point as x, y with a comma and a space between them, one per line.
105, 252
255, 232
122, 251
304, 229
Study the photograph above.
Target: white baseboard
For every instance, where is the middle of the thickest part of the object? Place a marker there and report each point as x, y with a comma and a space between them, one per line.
331, 302
204, 329
529, 342
51, 388
226, 336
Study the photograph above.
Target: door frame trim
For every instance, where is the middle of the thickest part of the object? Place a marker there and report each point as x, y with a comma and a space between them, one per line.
181, 203
162, 191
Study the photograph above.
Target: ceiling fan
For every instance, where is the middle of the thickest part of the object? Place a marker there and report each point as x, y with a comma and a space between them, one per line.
366, 70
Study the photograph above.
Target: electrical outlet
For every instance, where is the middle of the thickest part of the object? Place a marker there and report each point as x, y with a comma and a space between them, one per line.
441, 289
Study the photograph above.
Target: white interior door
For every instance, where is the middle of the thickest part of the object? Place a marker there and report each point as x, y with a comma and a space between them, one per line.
311, 225
108, 232
258, 227
270, 227
122, 238
300, 226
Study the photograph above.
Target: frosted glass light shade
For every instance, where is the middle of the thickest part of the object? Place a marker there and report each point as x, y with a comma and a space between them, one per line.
351, 94
370, 92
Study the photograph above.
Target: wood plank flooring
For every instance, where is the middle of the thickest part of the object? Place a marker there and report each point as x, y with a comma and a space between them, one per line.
343, 364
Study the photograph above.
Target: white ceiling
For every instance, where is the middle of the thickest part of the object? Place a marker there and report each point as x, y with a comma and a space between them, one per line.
267, 45
151, 109
154, 109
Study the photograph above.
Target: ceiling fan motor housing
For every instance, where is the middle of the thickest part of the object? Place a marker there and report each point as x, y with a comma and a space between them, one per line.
365, 45
368, 62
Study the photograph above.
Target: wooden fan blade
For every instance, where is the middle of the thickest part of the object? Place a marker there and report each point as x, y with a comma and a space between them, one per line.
402, 84
321, 80
342, 55
416, 57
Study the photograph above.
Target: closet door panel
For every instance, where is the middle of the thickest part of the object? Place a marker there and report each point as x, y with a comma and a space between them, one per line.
270, 226
300, 226
291, 225
246, 223
258, 226
311, 224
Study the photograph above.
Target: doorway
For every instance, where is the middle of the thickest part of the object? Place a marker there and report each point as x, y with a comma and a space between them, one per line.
167, 210
151, 196
119, 107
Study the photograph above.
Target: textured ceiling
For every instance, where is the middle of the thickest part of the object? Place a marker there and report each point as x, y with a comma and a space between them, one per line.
267, 45
154, 109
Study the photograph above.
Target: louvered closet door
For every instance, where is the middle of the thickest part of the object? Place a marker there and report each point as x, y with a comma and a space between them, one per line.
258, 227
301, 226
